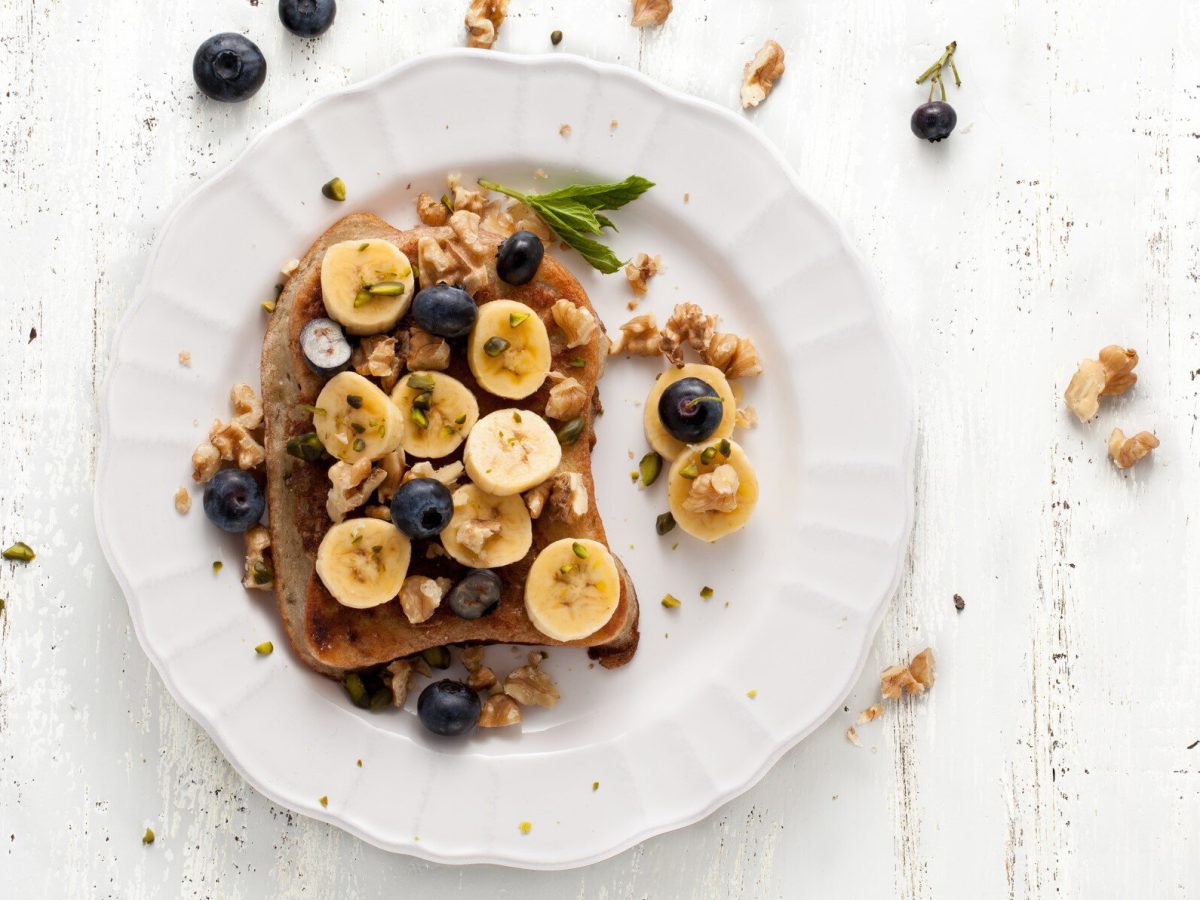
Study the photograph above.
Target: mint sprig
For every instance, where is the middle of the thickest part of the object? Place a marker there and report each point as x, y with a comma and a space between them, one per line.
572, 214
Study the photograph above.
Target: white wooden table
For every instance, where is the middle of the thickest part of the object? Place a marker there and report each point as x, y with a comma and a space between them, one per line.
1052, 757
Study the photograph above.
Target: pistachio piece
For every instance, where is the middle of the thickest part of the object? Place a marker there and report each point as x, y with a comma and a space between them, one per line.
579, 550
21, 552
422, 381
217, 566
362, 298
664, 523
438, 657
495, 346
381, 699
419, 417
670, 601
725, 447
707, 455
706, 592
354, 401
334, 189
570, 432
305, 446
423, 401
387, 289
264, 649
650, 468
357, 690
148, 836
515, 319
689, 471
577, 362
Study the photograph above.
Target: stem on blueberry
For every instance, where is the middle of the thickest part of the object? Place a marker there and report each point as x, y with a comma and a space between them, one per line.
934, 72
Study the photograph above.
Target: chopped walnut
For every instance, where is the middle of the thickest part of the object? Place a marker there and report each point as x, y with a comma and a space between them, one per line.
402, 675
745, 417
536, 658
351, 484
687, 325
288, 269
421, 596
496, 218
472, 658
433, 551
483, 21
393, 467
650, 12
639, 337
427, 352
420, 666
185, 358
464, 198
852, 736
499, 710
640, 269
375, 357
870, 714
733, 355
567, 398
1111, 374
247, 409
564, 130
378, 511
568, 496
525, 219
233, 443
183, 501
530, 686
481, 679
714, 491
576, 322
447, 474
1127, 451
474, 533
535, 499
911, 679
460, 260
431, 211
206, 460
258, 573
761, 73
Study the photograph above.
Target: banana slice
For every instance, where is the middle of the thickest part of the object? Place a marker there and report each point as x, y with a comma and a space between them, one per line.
711, 494
439, 412
487, 531
356, 420
511, 450
363, 562
572, 589
366, 285
660, 439
508, 350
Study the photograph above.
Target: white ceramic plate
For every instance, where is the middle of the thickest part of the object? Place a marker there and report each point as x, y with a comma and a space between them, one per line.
798, 593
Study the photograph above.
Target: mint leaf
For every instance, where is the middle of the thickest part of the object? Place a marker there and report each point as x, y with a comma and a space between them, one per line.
602, 196
597, 255
566, 215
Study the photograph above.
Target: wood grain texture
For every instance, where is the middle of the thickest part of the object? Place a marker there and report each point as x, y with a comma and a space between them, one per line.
1051, 758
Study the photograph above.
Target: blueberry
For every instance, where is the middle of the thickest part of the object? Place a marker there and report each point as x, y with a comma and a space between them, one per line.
229, 67
519, 256
448, 707
307, 18
445, 310
325, 348
476, 595
421, 508
233, 501
690, 410
934, 120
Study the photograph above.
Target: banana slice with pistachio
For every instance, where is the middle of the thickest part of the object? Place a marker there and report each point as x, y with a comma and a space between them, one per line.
712, 489
510, 451
363, 562
508, 350
572, 589
355, 420
658, 436
487, 531
439, 412
366, 285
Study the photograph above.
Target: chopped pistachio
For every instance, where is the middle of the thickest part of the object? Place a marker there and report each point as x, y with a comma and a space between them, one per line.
515, 319
516, 417
217, 566
148, 836
359, 763
334, 189
423, 401
387, 289
579, 550
461, 420
670, 601
314, 410
21, 552
751, 693
438, 657
363, 246
689, 471
664, 523
2, 602
526, 827
381, 699
634, 475
358, 429
577, 362
362, 298
359, 445
706, 592
446, 203
268, 305
307, 447
725, 447
495, 346
707, 455
356, 689
570, 432
354, 400
566, 568
264, 649
421, 381
323, 800
595, 786
650, 467
419, 417
263, 573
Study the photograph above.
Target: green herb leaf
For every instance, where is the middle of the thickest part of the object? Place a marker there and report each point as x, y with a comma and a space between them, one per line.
603, 196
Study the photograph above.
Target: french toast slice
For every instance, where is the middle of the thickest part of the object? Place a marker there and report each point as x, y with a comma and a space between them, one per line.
332, 638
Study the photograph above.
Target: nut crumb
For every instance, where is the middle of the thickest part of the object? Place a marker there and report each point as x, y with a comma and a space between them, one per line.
650, 12
403, 674
612, 126
183, 501
185, 358
959, 603
431, 211
288, 269
540, 173
483, 21
870, 714
687, 198
852, 736
761, 73
1127, 451
258, 574
564, 130
745, 417
500, 711
1107, 376
640, 269
914, 678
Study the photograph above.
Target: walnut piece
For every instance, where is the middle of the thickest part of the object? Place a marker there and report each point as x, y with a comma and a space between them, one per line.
474, 533
447, 474
714, 491
911, 679
431, 211
206, 460
481, 679
525, 219
258, 574
483, 21
576, 322
421, 596
640, 269
288, 269
460, 260
761, 73
639, 337
185, 358
1109, 375
233, 443
567, 398
535, 499
393, 467
568, 496
745, 417
464, 198
650, 12
472, 658
530, 686
870, 714
499, 710
247, 409
378, 511
183, 501
402, 673
1127, 451
852, 736
350, 486
375, 357
427, 352
687, 325
736, 356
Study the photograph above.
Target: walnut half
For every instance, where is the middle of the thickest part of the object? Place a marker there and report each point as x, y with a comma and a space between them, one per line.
761, 73
1127, 451
1107, 376
483, 21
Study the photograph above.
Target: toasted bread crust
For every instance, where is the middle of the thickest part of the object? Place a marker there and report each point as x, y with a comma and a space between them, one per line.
332, 638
